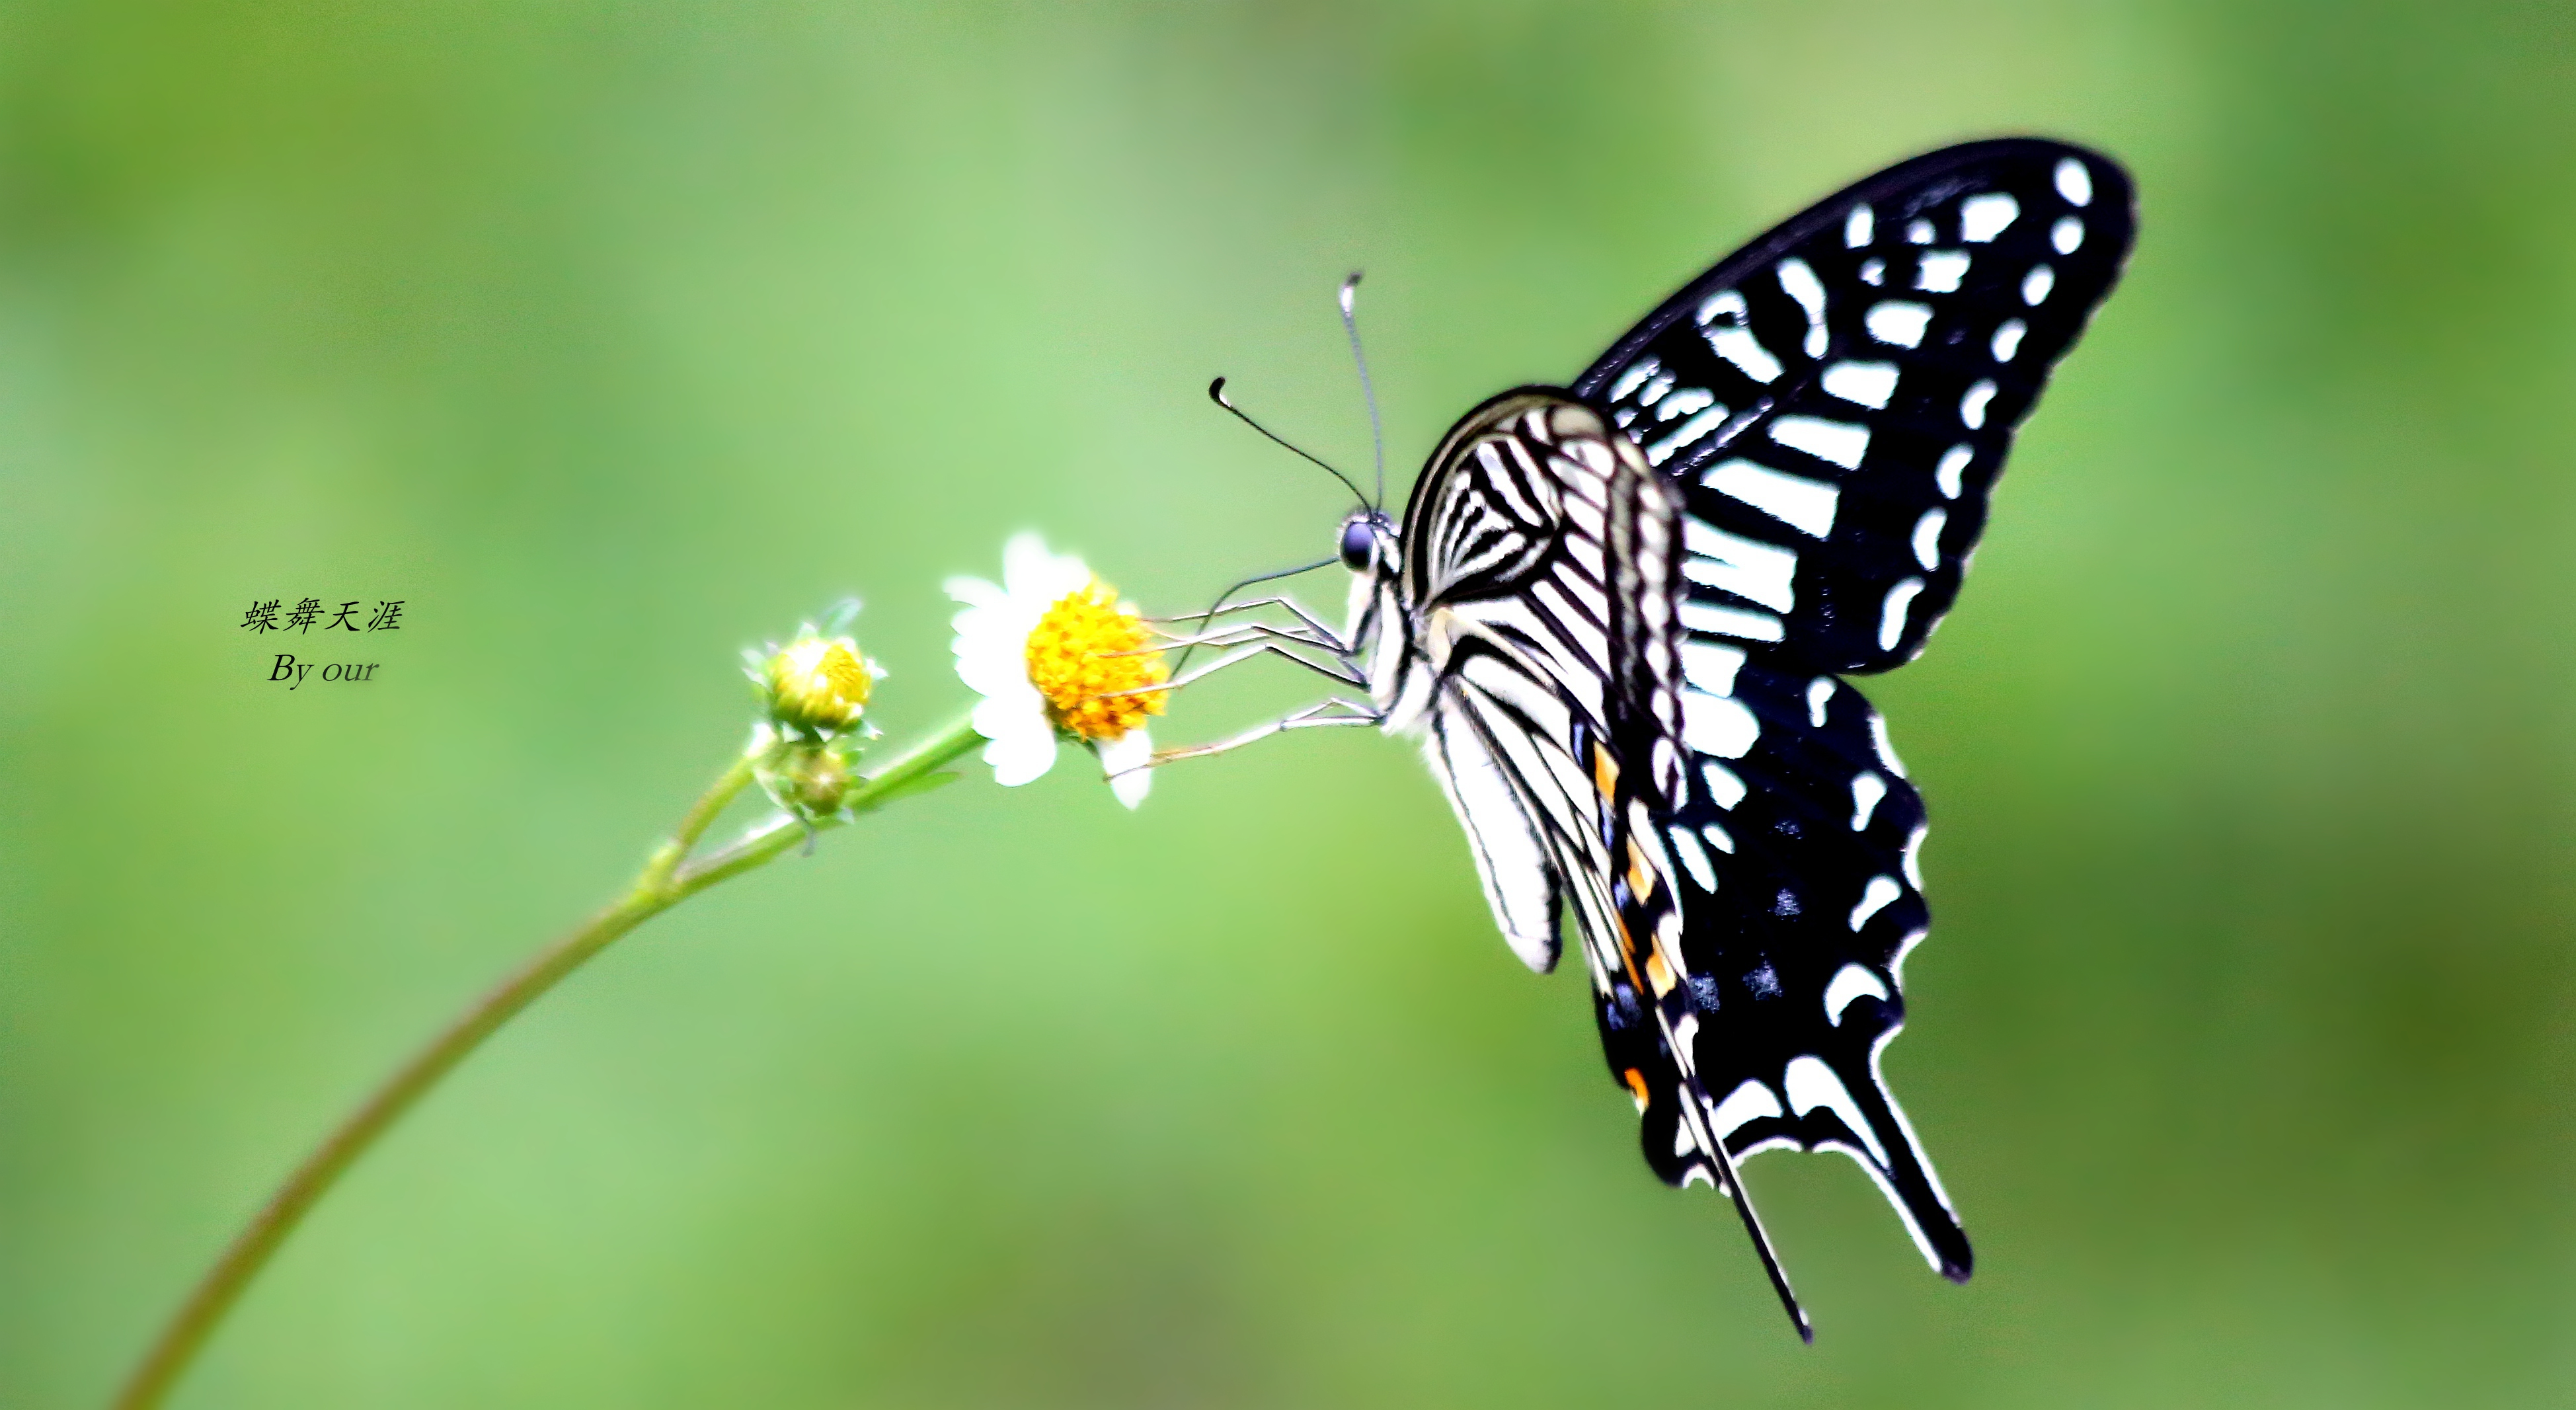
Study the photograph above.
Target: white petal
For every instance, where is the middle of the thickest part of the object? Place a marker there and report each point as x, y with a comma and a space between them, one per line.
1007, 714
1036, 577
1024, 558
1022, 748
995, 666
1131, 750
975, 592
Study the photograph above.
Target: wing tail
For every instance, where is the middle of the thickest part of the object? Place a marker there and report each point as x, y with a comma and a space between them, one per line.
1731, 1184
1839, 1103
1904, 1174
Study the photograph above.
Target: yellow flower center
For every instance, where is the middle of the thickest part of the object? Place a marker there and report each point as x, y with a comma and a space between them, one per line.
820, 682
1075, 662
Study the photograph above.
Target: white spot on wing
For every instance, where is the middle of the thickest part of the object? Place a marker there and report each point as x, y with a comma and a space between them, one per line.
1982, 218
1919, 232
1694, 860
2067, 234
1972, 407
2036, 284
1686, 433
1715, 834
1820, 693
1711, 666
1858, 227
2074, 182
1873, 271
1867, 384
1914, 855
1811, 1084
1739, 346
1800, 283
1873, 899
1838, 441
1927, 538
1749, 1102
1891, 614
1849, 983
1941, 270
1896, 321
2008, 339
1636, 376
1867, 791
1681, 403
1753, 570
1724, 788
1717, 724
1803, 504
1954, 463
1722, 321
1730, 621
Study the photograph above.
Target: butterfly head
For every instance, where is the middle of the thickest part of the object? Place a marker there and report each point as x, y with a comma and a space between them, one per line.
1368, 543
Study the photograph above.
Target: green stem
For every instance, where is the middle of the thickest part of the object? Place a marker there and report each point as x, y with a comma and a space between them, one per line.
664, 882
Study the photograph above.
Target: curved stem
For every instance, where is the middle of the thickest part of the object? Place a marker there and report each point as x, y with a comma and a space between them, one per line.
663, 883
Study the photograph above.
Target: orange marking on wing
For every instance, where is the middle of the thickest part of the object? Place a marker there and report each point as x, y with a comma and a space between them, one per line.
1659, 973
1636, 1086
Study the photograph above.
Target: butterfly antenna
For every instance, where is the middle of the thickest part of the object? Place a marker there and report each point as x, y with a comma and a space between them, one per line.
1377, 428
1762, 1243
1216, 393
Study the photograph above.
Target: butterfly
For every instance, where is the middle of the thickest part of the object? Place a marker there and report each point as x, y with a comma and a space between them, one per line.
1621, 615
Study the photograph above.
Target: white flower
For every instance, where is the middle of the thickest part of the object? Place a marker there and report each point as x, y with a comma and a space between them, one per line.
1055, 655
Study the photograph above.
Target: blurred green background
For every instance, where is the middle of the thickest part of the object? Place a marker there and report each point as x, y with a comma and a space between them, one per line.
612, 338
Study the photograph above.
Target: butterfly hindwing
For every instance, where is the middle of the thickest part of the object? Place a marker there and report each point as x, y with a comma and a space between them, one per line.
1801, 897
1839, 396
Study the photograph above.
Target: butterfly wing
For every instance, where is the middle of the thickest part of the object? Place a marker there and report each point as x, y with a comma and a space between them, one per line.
1510, 582
1541, 579
1835, 402
1796, 836
1630, 681
1838, 396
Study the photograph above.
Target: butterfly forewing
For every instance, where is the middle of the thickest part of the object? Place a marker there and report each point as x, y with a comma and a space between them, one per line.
1521, 589
1838, 396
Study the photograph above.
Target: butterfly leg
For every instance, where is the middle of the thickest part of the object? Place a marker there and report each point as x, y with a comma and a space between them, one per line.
1283, 602
1312, 717
1236, 636
1336, 670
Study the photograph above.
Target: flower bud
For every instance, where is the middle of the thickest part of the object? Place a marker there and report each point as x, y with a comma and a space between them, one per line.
815, 687
812, 780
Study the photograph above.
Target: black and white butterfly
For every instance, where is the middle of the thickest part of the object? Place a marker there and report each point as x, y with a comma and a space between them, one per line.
1619, 614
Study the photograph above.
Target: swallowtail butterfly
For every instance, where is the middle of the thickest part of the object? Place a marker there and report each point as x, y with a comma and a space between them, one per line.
1621, 615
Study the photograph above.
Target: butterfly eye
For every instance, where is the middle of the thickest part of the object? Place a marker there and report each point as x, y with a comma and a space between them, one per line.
1359, 546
